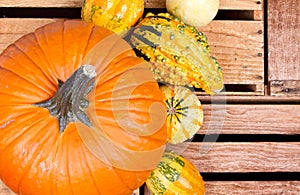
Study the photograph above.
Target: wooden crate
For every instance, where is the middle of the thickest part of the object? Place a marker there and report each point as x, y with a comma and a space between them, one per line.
249, 142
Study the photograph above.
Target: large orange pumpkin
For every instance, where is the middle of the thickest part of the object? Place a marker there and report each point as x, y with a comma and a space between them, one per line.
60, 86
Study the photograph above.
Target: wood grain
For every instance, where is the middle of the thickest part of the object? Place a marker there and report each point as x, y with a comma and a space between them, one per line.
252, 187
285, 88
284, 40
251, 119
274, 100
238, 46
224, 4
241, 157
249, 187
241, 4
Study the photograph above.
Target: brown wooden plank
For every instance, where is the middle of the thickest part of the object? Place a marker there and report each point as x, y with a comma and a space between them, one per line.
250, 119
285, 88
238, 47
241, 4
21, 25
284, 40
238, 157
249, 187
252, 187
275, 100
37, 3
224, 4
155, 3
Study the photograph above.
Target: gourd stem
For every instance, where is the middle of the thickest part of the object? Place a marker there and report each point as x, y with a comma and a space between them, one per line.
69, 102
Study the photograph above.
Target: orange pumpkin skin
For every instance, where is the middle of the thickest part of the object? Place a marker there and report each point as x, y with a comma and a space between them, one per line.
35, 158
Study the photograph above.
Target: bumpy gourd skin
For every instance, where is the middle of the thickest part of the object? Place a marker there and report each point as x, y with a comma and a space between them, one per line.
175, 175
179, 53
115, 15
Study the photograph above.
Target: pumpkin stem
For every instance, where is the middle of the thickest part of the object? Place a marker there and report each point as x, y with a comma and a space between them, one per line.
69, 102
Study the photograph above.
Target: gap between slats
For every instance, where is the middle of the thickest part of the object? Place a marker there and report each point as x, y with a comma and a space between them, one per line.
74, 13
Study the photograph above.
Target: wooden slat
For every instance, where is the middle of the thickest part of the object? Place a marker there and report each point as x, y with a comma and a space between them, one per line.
275, 100
250, 187
284, 41
238, 46
285, 88
155, 3
37, 3
250, 119
239, 157
12, 26
241, 4
224, 4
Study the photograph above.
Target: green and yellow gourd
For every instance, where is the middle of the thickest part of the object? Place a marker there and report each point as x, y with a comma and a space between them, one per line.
184, 113
115, 15
175, 175
178, 53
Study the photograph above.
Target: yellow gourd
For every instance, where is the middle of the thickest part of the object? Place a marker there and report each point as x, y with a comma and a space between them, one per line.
178, 53
184, 113
116, 15
175, 175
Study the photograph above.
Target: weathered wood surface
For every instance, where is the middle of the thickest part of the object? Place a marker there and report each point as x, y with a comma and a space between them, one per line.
285, 87
224, 4
284, 42
250, 187
241, 157
238, 46
275, 100
251, 119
